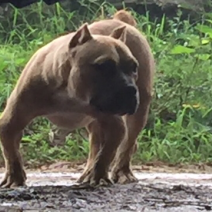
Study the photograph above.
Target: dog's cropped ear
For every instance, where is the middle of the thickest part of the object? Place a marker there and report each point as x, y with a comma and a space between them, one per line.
119, 33
82, 35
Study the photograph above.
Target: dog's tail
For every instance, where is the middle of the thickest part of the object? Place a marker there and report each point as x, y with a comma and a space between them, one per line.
125, 16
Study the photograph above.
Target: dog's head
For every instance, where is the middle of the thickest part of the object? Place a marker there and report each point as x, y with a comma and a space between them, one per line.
103, 71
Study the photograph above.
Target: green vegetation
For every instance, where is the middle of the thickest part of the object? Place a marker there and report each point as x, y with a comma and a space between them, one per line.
180, 121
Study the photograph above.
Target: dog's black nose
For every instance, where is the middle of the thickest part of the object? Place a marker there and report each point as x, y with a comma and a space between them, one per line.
130, 90
129, 99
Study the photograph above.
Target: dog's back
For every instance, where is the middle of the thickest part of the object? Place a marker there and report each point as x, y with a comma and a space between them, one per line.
125, 16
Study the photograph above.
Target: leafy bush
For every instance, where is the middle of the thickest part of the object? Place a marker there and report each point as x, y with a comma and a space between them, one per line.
179, 125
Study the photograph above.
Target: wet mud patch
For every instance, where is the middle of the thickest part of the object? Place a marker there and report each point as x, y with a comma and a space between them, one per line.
152, 194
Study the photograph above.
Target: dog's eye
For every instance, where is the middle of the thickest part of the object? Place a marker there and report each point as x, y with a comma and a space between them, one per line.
131, 67
107, 67
134, 67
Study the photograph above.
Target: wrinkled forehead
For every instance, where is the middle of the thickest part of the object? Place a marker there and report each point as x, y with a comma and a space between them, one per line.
106, 47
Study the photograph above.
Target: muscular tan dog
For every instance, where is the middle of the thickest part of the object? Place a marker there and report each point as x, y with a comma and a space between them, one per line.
99, 77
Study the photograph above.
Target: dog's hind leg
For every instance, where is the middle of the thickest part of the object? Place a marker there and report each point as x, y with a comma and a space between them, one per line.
121, 170
13, 120
105, 136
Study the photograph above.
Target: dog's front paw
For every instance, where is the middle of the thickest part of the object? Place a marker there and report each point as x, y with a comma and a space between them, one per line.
123, 176
12, 180
92, 178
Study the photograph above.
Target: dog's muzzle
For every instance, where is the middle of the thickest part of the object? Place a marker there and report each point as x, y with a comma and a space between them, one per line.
124, 101
128, 98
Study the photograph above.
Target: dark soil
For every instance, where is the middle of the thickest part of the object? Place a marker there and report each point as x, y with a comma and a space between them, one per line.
131, 197
160, 188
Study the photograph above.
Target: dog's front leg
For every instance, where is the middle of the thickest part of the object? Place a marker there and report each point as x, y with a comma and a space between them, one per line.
122, 171
105, 137
13, 120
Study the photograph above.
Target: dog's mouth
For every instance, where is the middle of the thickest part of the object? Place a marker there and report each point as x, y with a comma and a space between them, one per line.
121, 103
110, 111
114, 110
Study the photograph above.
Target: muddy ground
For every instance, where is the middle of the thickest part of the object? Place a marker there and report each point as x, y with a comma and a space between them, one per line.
160, 188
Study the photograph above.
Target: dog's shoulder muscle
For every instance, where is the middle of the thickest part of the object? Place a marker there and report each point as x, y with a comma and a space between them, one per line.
49, 64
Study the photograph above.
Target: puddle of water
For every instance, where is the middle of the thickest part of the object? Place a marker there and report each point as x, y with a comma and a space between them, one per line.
67, 179
176, 178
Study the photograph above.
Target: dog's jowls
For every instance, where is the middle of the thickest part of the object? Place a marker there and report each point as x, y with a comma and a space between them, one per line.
99, 77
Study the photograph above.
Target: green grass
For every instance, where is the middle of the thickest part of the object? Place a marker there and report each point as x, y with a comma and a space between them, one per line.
179, 125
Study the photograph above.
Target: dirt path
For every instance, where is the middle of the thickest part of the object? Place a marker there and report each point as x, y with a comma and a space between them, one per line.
164, 190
